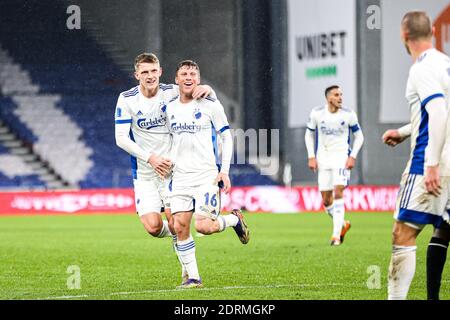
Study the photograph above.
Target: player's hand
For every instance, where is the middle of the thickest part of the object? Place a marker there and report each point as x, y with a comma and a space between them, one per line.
201, 91
312, 164
350, 163
225, 180
392, 137
161, 165
432, 181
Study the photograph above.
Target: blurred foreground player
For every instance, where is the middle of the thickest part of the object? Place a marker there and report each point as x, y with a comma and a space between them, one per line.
194, 188
327, 139
425, 185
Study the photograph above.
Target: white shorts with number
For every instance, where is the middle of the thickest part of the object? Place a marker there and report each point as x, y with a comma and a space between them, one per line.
416, 207
151, 195
204, 200
329, 178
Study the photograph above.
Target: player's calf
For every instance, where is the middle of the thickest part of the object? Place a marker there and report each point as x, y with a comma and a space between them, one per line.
206, 226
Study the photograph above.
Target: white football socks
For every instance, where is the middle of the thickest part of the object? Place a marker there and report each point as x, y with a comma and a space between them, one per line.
338, 217
330, 210
401, 271
228, 220
165, 231
183, 268
186, 250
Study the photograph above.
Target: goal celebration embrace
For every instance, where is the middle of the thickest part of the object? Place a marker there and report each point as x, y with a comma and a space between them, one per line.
235, 151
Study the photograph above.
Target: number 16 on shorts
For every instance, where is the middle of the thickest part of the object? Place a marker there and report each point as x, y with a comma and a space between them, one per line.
207, 202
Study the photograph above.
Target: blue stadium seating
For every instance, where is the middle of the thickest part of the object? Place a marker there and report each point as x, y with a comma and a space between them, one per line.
70, 64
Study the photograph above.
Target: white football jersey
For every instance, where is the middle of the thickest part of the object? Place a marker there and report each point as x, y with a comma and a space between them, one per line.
148, 124
194, 151
429, 78
332, 135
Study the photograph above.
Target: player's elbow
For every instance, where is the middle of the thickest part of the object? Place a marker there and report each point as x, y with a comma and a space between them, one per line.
120, 141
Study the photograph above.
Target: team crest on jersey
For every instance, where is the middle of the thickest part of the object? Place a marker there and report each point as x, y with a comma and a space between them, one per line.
197, 114
163, 106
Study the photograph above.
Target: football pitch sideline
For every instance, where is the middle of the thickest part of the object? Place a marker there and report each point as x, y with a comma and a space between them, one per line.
288, 257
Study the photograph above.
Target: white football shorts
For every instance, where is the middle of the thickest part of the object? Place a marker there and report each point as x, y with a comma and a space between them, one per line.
151, 195
416, 207
329, 178
204, 200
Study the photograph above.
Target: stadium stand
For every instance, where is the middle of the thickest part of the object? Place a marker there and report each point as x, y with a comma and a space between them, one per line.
58, 94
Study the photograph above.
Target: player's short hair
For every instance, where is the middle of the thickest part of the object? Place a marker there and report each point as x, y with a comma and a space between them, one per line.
187, 63
417, 25
145, 58
327, 90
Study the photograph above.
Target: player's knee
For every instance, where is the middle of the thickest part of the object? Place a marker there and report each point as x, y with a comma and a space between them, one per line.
339, 193
154, 230
152, 224
403, 235
327, 197
179, 225
443, 234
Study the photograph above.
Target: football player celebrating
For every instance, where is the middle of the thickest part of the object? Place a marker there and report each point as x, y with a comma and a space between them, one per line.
141, 130
196, 175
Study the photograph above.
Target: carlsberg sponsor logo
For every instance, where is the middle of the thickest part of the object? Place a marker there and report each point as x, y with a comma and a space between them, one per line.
185, 127
151, 123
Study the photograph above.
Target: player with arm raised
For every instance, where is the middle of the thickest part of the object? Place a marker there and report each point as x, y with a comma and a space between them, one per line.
327, 139
140, 130
424, 188
194, 187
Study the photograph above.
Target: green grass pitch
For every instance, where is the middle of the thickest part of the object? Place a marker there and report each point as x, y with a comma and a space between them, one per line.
288, 257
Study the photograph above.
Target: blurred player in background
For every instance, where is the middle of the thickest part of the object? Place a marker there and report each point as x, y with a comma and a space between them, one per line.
141, 130
425, 185
327, 141
194, 187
